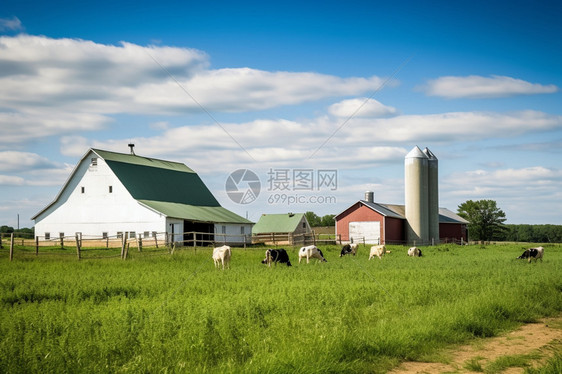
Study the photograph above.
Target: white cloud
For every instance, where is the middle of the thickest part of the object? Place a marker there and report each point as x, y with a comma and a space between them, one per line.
282, 142
55, 86
476, 87
361, 107
10, 180
23, 161
519, 183
10, 24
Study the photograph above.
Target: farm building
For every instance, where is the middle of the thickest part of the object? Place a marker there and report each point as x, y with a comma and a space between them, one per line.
281, 227
109, 194
420, 220
386, 224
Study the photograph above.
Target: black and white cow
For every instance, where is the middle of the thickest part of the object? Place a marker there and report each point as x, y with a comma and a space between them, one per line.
349, 249
309, 252
414, 252
532, 253
275, 256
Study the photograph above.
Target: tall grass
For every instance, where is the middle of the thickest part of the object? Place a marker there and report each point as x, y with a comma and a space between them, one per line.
179, 314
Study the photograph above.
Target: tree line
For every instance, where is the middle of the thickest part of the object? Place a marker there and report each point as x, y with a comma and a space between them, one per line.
486, 222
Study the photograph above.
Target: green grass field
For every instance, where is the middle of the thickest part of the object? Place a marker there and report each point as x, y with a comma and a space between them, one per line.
177, 313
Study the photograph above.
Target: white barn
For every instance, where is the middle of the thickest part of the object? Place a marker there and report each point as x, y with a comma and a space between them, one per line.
109, 194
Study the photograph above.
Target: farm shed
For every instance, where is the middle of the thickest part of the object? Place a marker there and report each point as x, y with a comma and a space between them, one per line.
109, 194
386, 224
284, 227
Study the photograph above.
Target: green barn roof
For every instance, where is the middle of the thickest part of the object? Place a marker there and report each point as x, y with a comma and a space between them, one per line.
278, 223
170, 188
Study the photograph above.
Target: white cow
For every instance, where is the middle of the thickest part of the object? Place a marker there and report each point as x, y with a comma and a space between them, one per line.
221, 255
414, 252
377, 250
309, 252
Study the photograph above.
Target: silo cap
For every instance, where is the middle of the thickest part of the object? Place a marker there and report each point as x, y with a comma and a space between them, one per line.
429, 154
416, 152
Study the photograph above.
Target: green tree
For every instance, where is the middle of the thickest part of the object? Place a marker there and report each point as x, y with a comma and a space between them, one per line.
485, 219
6, 229
328, 220
313, 219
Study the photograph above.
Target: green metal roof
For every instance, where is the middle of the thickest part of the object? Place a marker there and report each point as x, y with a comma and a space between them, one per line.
162, 184
277, 223
144, 161
216, 214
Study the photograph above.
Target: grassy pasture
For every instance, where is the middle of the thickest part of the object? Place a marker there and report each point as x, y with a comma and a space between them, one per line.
177, 313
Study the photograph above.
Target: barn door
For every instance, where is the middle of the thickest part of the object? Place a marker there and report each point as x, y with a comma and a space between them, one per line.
370, 231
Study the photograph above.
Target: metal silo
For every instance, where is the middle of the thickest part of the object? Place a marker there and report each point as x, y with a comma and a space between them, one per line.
433, 196
369, 196
416, 196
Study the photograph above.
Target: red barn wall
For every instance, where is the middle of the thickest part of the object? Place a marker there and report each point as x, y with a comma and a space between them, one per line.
358, 213
394, 231
452, 231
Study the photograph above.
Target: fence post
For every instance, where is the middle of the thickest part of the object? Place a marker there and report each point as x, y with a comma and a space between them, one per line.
78, 246
11, 246
155, 239
123, 244
139, 244
244, 241
194, 240
126, 251
36, 246
61, 241
1, 246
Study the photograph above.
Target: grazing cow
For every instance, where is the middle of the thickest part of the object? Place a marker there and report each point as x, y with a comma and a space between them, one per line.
275, 256
221, 255
414, 252
349, 249
377, 250
311, 252
533, 253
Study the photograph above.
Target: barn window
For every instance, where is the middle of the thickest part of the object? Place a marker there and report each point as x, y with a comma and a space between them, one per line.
242, 230
61, 235
82, 189
132, 234
224, 229
146, 234
47, 236
104, 235
304, 225
110, 189
94, 161
119, 234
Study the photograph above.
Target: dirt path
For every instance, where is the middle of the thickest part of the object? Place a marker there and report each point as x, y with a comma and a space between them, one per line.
538, 339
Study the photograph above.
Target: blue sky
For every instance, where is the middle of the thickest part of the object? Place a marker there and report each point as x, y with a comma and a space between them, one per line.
279, 88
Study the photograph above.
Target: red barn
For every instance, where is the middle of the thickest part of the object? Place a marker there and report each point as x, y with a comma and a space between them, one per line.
376, 223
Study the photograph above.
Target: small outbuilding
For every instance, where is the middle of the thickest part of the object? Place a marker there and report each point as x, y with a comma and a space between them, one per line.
281, 228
